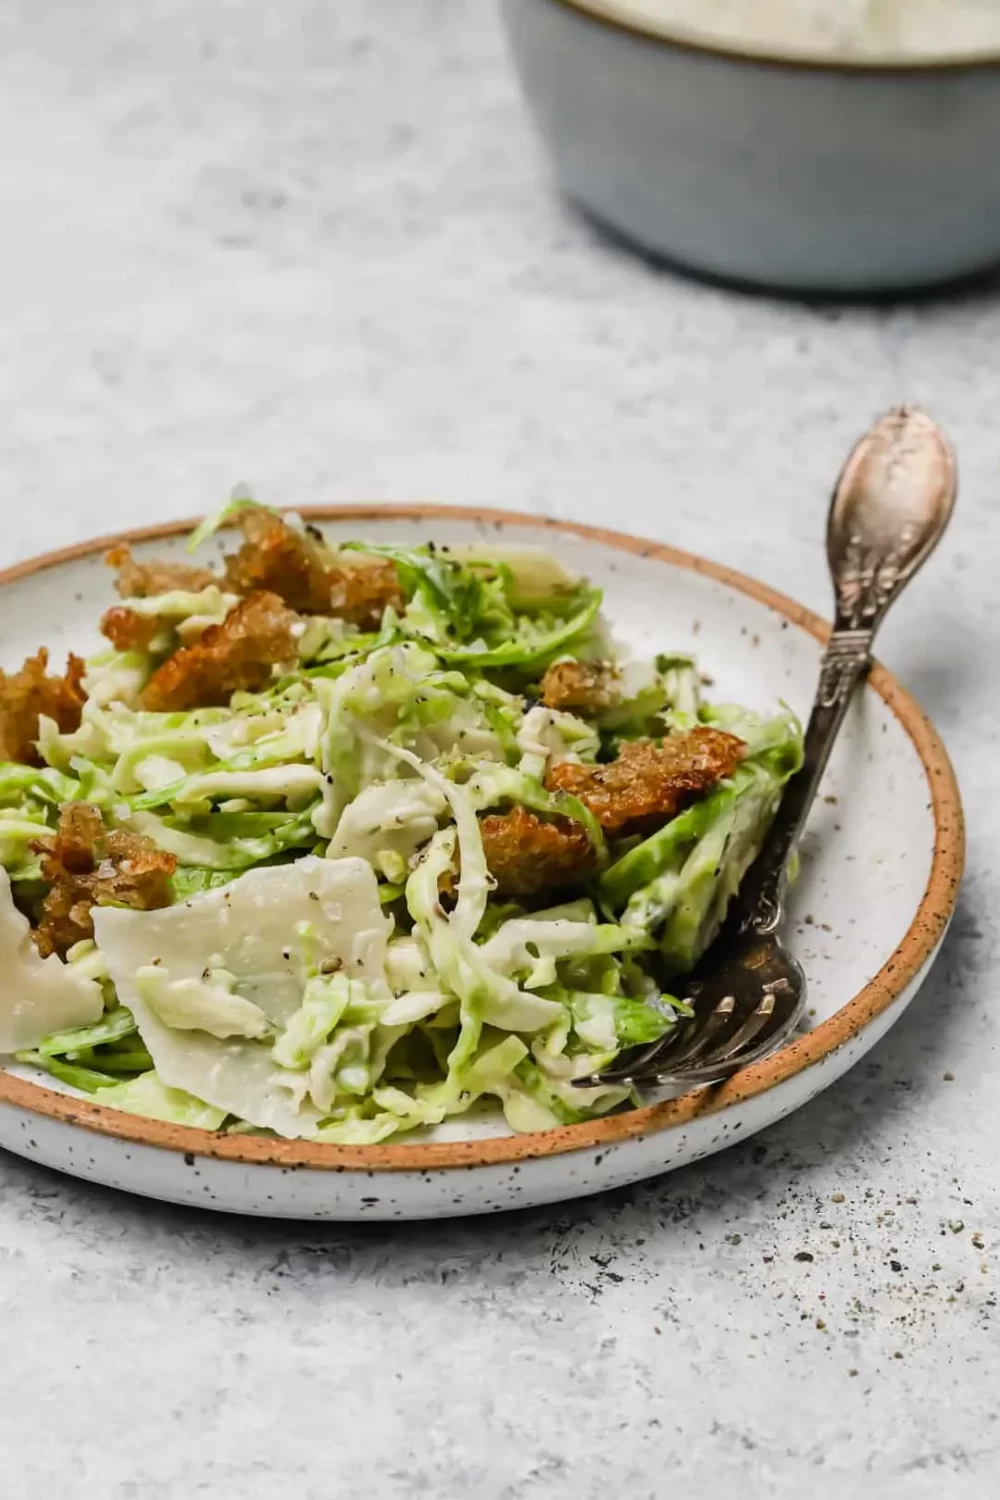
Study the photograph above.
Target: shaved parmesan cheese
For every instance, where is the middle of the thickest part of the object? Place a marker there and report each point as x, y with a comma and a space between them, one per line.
269, 930
37, 995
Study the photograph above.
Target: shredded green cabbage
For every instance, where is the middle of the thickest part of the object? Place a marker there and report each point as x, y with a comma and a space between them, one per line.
342, 965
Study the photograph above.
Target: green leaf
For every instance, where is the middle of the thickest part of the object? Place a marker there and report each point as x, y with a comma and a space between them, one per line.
48, 785
420, 568
112, 1027
86, 1079
638, 1021
532, 648
645, 862
150, 1097
218, 842
188, 880
105, 1060
222, 517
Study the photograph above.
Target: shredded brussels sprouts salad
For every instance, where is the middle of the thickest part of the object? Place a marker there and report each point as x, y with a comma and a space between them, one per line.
339, 843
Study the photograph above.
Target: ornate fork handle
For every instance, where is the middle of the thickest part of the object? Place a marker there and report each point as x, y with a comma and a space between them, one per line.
845, 661
846, 657
889, 508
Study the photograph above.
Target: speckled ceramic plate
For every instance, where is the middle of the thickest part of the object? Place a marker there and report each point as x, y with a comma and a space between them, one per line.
890, 822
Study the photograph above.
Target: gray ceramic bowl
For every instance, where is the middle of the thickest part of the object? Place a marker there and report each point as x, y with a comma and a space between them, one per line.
791, 173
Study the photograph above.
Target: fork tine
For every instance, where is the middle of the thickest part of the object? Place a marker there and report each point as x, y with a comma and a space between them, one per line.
636, 1060
704, 1035
752, 1026
684, 1044
714, 1069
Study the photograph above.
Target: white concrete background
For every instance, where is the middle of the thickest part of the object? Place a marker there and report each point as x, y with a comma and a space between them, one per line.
313, 246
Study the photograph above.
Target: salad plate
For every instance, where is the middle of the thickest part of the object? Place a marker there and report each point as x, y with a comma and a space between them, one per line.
332, 906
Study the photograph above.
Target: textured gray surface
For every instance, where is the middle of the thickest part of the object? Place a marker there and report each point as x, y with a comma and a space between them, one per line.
314, 247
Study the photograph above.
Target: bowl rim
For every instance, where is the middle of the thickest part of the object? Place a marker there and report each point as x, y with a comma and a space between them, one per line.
901, 969
676, 38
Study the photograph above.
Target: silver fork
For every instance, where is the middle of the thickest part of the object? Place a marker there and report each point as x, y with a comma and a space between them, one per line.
890, 507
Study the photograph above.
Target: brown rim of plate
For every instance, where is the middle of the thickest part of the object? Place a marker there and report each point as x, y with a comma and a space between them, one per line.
605, 13
901, 968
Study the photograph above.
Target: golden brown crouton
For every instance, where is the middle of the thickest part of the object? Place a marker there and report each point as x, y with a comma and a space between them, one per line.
88, 867
257, 635
580, 686
127, 630
291, 564
526, 855
138, 580
649, 783
31, 692
280, 560
361, 595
